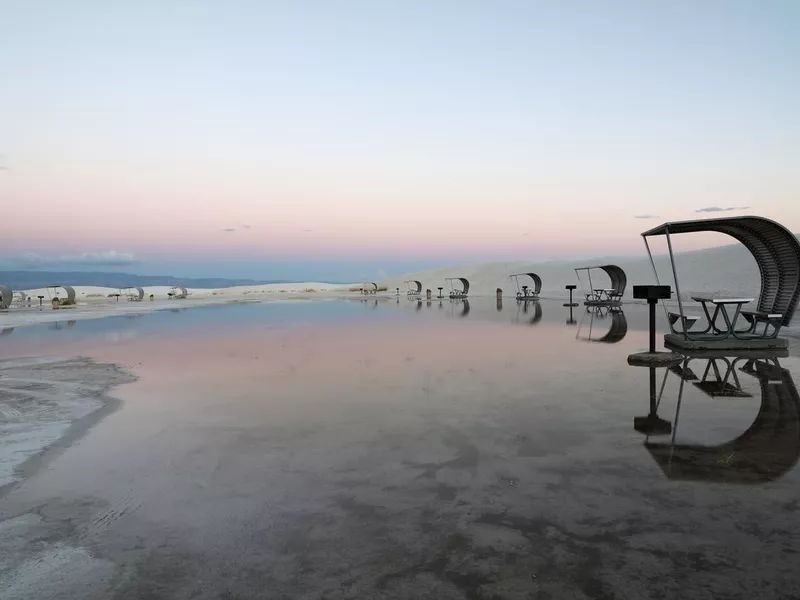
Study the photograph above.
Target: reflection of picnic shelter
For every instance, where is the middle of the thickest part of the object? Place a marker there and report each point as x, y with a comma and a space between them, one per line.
455, 292
414, 287
596, 296
616, 332
777, 254
525, 292
766, 451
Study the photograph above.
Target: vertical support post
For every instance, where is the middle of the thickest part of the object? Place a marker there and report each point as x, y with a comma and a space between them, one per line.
652, 306
677, 287
428, 294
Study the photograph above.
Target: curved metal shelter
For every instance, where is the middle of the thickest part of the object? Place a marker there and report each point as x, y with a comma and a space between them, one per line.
178, 292
369, 287
774, 248
134, 293
454, 291
525, 291
414, 290
768, 449
53, 292
613, 294
6, 296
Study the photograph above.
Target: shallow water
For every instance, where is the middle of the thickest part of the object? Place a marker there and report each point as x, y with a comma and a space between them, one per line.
383, 449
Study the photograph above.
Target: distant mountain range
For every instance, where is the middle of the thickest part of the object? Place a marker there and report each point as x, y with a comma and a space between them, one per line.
26, 280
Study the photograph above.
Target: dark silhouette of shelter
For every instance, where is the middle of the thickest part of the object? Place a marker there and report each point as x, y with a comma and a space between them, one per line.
767, 450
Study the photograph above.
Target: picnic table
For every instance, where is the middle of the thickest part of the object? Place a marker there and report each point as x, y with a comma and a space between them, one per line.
601, 294
721, 308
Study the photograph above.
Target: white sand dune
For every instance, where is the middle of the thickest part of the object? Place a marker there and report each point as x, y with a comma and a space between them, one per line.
93, 302
727, 270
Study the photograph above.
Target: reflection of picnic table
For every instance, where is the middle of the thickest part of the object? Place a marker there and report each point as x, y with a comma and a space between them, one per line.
720, 386
721, 309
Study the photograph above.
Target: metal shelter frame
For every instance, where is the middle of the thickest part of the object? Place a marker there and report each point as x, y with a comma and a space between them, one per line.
52, 292
454, 291
619, 282
416, 290
525, 291
134, 293
775, 250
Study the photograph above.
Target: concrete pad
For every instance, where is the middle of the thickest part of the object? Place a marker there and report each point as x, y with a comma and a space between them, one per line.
681, 344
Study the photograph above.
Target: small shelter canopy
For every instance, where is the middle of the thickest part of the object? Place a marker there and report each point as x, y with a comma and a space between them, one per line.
464, 282
537, 281
6, 296
179, 292
52, 290
135, 293
417, 286
617, 276
775, 249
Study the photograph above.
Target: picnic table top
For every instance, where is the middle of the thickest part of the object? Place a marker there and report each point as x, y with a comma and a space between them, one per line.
714, 300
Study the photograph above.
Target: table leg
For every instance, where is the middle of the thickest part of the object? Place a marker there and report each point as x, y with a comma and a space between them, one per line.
699, 333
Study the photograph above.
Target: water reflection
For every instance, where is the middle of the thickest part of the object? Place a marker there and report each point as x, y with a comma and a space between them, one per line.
460, 307
765, 451
616, 331
6, 331
61, 325
571, 320
529, 314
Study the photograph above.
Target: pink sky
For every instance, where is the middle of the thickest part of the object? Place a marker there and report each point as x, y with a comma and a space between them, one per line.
145, 131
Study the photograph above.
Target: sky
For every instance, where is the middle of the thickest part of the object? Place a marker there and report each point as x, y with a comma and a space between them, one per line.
339, 140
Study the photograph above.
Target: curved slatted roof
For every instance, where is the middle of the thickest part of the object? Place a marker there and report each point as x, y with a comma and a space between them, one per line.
617, 276
775, 249
418, 284
135, 291
537, 281
463, 281
70, 291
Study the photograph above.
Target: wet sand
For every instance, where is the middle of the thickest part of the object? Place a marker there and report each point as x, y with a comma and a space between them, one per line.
408, 454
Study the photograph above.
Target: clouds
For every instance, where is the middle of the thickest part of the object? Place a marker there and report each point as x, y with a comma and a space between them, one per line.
232, 229
108, 258
713, 209
646, 217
